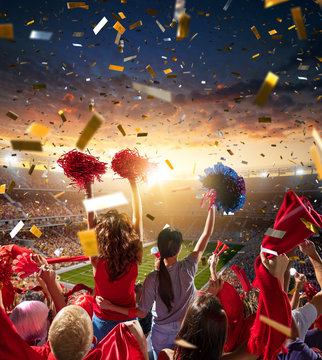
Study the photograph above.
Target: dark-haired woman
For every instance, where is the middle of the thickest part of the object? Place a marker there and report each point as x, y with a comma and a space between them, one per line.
115, 269
172, 286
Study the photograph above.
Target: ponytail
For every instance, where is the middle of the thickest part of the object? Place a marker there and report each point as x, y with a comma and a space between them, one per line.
165, 285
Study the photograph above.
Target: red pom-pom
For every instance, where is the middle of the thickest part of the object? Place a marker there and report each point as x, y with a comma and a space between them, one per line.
24, 266
130, 165
81, 168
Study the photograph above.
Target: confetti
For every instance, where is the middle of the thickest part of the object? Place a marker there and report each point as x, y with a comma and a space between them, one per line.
298, 20
264, 119
40, 35
104, 202
151, 217
152, 91
26, 145
194, 168
150, 70
122, 16
152, 12
268, 251
272, 32
225, 8
39, 86
269, 3
34, 230
255, 31
2, 188
142, 134
94, 123
88, 241
160, 26
61, 113
275, 325
6, 31
275, 233
78, 34
317, 138
266, 89
316, 160
169, 164
30, 22
116, 67
38, 130
32, 168
119, 27
16, 229
185, 344
312, 227
59, 194
193, 36
183, 26
117, 38
135, 25
230, 152
12, 115
254, 56
74, 5
130, 58
167, 71
11, 187
120, 127
100, 25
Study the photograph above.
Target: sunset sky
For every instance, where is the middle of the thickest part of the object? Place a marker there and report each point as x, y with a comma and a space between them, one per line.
212, 108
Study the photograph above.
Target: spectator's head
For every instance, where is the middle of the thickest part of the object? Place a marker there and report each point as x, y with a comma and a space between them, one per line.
71, 334
205, 326
169, 244
31, 295
118, 242
30, 320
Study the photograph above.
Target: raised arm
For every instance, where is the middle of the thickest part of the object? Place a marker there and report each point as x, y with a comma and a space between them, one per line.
137, 209
309, 249
205, 236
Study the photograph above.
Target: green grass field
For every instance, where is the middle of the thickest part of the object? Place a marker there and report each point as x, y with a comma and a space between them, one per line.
84, 274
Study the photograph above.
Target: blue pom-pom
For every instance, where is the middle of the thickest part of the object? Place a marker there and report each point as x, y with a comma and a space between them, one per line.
230, 188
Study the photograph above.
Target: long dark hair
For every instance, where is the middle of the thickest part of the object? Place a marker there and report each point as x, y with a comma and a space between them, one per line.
169, 243
205, 326
117, 242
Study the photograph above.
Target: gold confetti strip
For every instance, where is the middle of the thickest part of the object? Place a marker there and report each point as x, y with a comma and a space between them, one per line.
74, 5
183, 26
317, 138
34, 230
32, 168
173, 23
12, 115
169, 164
150, 70
152, 12
272, 32
266, 89
316, 160
298, 20
88, 241
39, 86
275, 325
30, 22
194, 168
59, 194
193, 36
2, 188
185, 344
120, 127
6, 31
153, 92
38, 130
26, 145
269, 3
312, 227
291, 27
122, 16
61, 113
11, 187
119, 27
116, 67
167, 71
135, 25
255, 56
161, 27
264, 119
255, 31
94, 123
149, 216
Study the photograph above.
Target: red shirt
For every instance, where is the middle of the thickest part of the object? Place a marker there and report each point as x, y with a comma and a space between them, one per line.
119, 292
